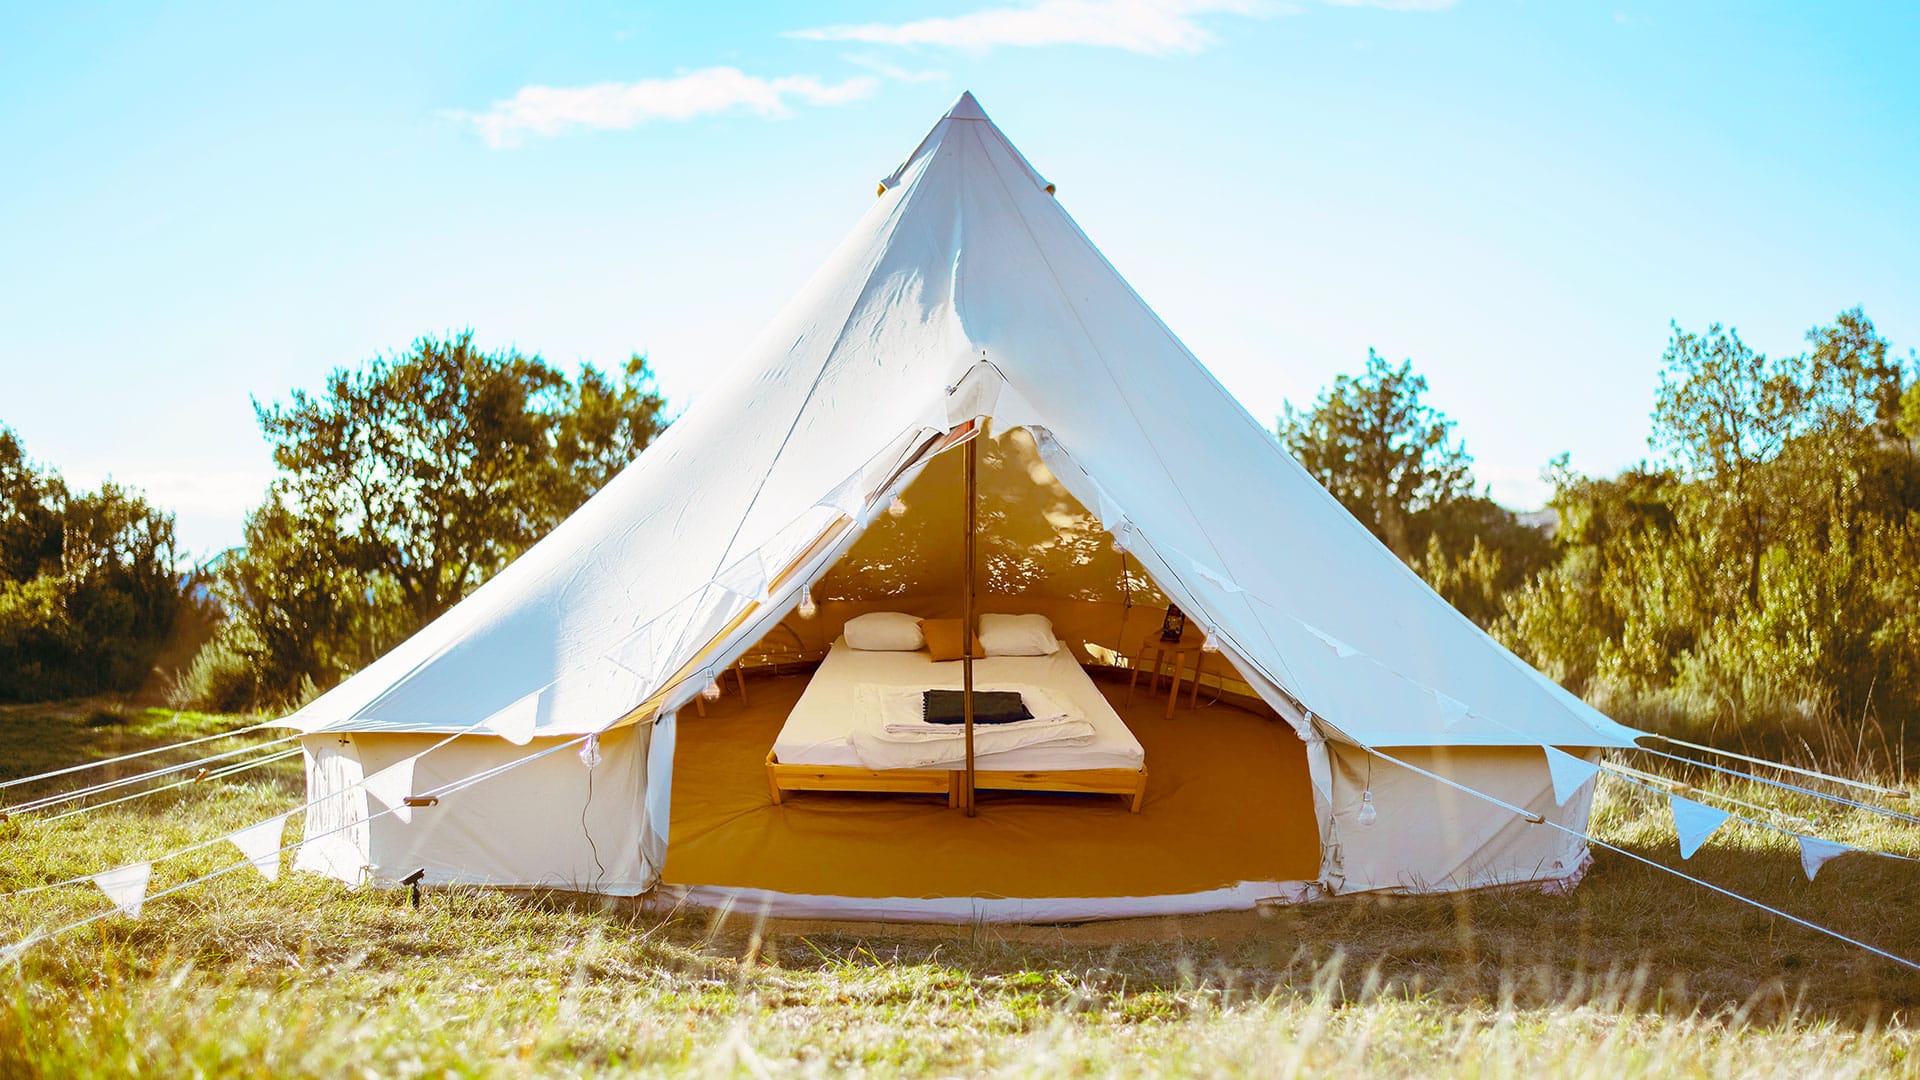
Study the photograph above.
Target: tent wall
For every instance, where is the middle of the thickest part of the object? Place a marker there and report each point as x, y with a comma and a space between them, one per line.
550, 823
1429, 837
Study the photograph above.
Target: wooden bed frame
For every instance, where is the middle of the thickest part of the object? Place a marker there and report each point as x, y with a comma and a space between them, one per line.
783, 778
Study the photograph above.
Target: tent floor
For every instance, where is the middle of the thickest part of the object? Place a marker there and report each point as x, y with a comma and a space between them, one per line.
1228, 800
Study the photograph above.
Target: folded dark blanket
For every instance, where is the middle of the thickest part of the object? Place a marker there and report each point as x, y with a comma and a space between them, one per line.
989, 707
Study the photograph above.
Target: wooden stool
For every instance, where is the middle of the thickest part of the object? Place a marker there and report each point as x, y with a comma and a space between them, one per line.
1154, 653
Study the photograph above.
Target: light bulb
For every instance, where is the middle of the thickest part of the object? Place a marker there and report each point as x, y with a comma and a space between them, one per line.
1207, 644
712, 692
1367, 815
807, 608
1120, 541
590, 751
898, 508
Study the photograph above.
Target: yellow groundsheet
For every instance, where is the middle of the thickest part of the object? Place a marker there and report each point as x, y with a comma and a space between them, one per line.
1228, 800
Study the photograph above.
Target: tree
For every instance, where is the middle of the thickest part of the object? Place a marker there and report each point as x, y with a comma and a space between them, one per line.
88, 588
404, 485
433, 469
1380, 449
1722, 412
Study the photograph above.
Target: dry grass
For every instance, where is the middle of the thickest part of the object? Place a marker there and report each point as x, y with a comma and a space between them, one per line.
1633, 974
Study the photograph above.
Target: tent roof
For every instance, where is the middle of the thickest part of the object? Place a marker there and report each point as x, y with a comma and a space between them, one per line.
965, 291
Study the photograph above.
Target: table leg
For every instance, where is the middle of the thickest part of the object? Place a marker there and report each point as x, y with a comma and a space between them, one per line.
1159, 657
1198, 659
1173, 695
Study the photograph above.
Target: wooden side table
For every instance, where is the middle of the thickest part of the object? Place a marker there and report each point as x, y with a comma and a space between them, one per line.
1155, 653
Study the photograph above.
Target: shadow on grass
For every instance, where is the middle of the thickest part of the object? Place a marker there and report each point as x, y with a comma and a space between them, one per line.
1630, 936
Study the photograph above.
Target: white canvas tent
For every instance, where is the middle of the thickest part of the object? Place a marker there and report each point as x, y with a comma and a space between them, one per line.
966, 293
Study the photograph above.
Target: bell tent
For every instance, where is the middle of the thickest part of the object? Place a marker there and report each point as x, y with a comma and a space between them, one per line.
966, 413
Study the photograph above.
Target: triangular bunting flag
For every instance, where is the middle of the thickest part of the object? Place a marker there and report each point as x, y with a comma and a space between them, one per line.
1569, 773
516, 722
1340, 648
1816, 853
391, 786
1218, 578
635, 652
746, 578
1014, 410
1452, 710
1111, 517
1694, 821
261, 845
847, 497
126, 887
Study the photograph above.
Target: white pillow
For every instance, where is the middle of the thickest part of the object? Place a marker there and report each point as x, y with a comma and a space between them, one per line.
1017, 635
884, 631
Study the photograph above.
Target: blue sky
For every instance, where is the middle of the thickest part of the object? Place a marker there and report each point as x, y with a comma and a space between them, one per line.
199, 203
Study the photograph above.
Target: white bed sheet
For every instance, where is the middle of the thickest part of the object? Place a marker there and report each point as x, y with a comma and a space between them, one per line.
816, 731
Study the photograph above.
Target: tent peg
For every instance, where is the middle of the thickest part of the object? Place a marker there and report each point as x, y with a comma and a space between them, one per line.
412, 882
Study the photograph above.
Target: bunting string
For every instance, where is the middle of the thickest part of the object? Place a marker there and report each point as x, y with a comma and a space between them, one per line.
84, 766
1540, 819
118, 885
1885, 792
308, 805
1769, 826
33, 805
1672, 786
217, 774
1783, 785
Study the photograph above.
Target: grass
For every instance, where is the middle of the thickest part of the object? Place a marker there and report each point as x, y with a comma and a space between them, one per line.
1633, 974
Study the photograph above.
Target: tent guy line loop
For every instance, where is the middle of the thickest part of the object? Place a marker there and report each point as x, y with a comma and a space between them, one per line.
1885, 792
1539, 819
84, 766
152, 774
1783, 785
14, 951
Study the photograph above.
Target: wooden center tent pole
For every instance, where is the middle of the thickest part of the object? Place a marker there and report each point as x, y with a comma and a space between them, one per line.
966, 615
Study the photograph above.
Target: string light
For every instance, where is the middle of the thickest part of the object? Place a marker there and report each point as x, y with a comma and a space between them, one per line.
712, 692
807, 609
1207, 644
1368, 814
898, 508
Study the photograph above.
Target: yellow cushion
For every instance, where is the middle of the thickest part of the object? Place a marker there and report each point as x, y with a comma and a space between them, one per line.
943, 639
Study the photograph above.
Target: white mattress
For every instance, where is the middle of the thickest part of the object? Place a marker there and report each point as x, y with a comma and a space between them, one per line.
816, 731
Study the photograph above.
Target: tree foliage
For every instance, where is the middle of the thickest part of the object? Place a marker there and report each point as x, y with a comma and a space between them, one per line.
405, 484
1393, 461
89, 594
1373, 441
1770, 565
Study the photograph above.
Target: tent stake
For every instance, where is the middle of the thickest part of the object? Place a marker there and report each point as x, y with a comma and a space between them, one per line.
966, 620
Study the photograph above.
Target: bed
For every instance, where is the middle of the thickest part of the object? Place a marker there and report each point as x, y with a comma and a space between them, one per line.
815, 753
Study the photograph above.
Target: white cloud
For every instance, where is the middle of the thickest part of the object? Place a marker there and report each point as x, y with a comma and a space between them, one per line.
1151, 27
615, 106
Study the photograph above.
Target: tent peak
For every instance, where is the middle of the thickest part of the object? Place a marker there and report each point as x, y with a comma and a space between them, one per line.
966, 108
